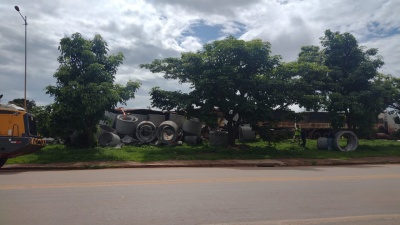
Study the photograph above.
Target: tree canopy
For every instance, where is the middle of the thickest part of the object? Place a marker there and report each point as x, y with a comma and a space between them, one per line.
241, 77
395, 83
30, 104
85, 86
236, 76
351, 90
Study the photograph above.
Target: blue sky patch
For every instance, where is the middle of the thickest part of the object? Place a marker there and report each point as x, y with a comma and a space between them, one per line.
377, 29
207, 33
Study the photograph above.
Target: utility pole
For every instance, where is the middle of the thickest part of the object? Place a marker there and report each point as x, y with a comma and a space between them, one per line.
26, 24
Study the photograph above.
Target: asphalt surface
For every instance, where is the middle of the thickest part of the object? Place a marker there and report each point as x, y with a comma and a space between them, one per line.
205, 163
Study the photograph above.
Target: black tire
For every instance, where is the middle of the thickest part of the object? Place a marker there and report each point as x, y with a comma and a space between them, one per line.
3, 161
316, 135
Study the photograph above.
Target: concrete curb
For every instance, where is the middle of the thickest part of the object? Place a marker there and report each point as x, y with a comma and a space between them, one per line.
205, 163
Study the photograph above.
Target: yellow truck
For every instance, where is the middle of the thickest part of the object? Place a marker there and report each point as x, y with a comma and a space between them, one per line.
18, 134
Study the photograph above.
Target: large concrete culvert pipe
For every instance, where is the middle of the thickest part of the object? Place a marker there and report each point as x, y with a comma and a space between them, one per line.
192, 127
140, 117
126, 124
352, 141
156, 119
168, 132
107, 139
218, 138
146, 131
178, 119
105, 128
246, 133
322, 143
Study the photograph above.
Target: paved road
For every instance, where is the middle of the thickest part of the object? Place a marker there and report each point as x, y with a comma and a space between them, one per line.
365, 194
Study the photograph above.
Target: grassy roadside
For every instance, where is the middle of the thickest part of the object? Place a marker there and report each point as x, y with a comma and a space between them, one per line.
253, 150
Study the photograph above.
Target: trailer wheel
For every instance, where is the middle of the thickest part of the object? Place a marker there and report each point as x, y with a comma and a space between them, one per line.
3, 161
316, 135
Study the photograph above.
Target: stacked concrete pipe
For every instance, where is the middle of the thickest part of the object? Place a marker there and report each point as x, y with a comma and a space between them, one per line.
146, 131
141, 117
156, 119
126, 124
192, 131
108, 139
218, 138
192, 127
178, 119
246, 133
167, 132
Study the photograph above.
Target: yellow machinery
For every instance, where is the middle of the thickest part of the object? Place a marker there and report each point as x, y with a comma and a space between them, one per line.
18, 134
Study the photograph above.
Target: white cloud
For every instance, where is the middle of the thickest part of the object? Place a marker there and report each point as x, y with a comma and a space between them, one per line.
146, 30
191, 43
389, 48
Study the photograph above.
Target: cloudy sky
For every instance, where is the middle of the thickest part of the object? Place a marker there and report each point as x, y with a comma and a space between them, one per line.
146, 30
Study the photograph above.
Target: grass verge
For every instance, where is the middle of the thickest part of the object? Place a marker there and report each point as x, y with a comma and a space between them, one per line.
249, 150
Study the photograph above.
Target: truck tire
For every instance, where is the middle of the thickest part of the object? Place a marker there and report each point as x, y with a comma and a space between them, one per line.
316, 135
2, 161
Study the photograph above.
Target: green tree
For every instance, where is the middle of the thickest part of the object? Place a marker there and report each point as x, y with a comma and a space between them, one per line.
85, 87
352, 90
306, 83
233, 75
395, 84
43, 118
311, 54
30, 104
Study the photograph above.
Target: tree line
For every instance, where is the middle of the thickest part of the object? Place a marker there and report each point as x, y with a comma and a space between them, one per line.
242, 79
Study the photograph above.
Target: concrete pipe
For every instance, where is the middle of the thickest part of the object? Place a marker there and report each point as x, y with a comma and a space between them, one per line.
218, 138
192, 140
146, 131
246, 133
105, 128
126, 124
107, 139
167, 132
127, 139
141, 117
322, 143
350, 137
156, 119
178, 119
193, 127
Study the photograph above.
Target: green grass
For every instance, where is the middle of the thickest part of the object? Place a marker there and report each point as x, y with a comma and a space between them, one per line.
250, 150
